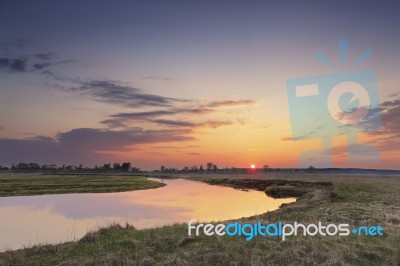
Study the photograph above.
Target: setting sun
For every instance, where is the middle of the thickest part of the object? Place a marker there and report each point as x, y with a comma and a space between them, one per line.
253, 166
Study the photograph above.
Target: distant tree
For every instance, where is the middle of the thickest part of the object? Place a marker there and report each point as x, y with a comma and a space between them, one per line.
26, 167
201, 168
135, 170
162, 168
33, 166
49, 168
209, 166
70, 167
116, 166
22, 166
215, 168
126, 166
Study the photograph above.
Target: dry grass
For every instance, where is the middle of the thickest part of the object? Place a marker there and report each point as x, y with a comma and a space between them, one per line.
39, 184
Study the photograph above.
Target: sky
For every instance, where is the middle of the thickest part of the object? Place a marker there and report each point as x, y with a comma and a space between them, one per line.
183, 83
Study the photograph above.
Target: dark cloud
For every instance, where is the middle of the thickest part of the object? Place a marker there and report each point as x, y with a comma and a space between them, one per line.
18, 65
5, 62
389, 115
45, 56
14, 64
100, 139
116, 93
83, 145
21, 64
387, 138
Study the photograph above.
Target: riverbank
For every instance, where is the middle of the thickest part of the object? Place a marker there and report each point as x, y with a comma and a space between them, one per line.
355, 200
40, 184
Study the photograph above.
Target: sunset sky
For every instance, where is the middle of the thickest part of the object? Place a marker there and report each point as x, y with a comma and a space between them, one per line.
182, 83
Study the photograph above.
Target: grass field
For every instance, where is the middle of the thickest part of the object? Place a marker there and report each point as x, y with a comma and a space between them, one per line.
357, 200
39, 184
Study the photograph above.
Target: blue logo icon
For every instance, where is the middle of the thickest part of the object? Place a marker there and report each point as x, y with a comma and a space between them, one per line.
326, 106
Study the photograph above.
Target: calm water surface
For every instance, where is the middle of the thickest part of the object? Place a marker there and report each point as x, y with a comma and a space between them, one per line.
29, 220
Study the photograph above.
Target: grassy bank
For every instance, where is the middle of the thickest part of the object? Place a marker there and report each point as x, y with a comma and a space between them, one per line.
39, 184
349, 199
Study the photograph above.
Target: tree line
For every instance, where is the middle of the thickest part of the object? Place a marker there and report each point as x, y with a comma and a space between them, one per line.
53, 168
123, 167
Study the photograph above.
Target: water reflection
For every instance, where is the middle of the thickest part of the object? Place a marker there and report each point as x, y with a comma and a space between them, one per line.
26, 221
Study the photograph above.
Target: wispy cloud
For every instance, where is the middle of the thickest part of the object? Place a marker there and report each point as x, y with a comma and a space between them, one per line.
45, 56
120, 94
157, 78
155, 117
172, 116
157, 113
175, 123
231, 103
193, 153
40, 66
179, 123
176, 147
288, 139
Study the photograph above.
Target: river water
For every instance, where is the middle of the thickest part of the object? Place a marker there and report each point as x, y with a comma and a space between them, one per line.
30, 220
